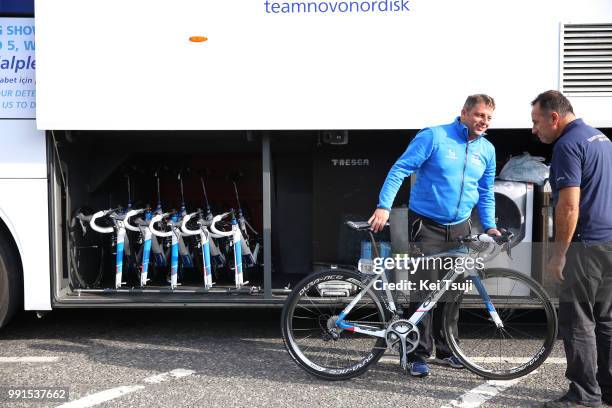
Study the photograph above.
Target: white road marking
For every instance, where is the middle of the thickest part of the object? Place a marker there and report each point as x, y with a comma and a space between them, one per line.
484, 392
549, 360
107, 395
390, 358
178, 373
102, 396
28, 359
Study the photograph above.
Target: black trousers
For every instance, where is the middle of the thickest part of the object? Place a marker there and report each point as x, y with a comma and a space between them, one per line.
585, 322
429, 238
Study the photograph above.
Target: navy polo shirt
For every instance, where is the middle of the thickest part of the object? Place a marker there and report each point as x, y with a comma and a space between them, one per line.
582, 157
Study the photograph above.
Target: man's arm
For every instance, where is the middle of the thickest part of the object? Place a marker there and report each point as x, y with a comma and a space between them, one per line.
486, 199
419, 150
567, 165
566, 219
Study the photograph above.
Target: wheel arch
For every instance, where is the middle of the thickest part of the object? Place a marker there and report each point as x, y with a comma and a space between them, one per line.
8, 239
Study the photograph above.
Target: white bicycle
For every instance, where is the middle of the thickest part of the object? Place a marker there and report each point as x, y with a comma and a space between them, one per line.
337, 323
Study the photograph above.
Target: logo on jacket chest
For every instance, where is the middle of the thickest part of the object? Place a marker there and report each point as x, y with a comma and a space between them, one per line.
476, 158
451, 155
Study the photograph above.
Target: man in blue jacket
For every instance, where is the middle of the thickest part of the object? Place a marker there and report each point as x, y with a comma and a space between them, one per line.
455, 171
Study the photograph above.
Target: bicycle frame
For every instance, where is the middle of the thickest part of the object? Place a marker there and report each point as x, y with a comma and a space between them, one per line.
119, 229
236, 238
145, 231
205, 240
174, 233
425, 307
216, 255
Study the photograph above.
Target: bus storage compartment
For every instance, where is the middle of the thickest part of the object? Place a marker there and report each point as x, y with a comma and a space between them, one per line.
138, 211
322, 178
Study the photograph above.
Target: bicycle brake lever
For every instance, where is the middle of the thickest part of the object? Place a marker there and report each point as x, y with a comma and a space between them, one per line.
81, 218
83, 226
507, 238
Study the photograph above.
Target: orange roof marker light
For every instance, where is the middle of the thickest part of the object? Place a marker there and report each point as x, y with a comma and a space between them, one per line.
198, 38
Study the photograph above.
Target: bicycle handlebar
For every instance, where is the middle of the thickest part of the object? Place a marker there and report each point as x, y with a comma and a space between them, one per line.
130, 214
187, 231
157, 218
504, 238
100, 214
216, 231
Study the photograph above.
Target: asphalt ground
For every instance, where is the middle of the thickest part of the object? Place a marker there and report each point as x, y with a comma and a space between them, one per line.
222, 358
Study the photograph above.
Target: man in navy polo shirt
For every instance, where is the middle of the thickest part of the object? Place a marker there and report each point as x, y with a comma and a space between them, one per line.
581, 181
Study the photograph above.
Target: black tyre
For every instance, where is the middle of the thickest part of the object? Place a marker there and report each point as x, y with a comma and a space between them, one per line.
309, 314
529, 325
11, 287
86, 252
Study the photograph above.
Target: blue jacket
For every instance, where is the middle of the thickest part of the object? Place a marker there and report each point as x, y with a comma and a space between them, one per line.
453, 175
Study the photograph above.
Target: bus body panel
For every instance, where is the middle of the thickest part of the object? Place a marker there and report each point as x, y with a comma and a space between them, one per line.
23, 150
24, 205
106, 67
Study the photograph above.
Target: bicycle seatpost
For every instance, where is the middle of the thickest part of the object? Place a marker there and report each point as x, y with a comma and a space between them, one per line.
158, 208
374, 246
129, 192
238, 204
208, 215
183, 208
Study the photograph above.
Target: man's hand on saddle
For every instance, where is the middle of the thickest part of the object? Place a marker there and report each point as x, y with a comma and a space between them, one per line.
379, 219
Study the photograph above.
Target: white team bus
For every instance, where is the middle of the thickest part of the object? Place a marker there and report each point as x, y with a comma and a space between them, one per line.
291, 112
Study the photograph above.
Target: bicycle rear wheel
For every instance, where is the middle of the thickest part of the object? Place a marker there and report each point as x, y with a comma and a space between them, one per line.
529, 325
309, 316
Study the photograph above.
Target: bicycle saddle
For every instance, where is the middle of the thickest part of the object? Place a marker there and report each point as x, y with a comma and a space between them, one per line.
360, 225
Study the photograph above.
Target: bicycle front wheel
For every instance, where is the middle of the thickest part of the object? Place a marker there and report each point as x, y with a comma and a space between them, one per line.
311, 336
521, 344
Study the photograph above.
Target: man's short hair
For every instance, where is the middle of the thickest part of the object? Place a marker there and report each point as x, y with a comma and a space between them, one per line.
474, 100
553, 101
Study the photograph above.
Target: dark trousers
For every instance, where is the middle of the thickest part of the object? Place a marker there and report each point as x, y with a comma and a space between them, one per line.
585, 322
430, 238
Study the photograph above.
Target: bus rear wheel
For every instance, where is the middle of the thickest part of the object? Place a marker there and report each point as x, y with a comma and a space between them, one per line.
10, 282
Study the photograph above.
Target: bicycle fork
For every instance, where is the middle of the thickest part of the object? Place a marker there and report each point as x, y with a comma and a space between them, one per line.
174, 253
146, 249
487, 301
205, 241
237, 242
121, 235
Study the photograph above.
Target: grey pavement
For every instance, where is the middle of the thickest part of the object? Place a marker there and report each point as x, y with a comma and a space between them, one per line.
221, 358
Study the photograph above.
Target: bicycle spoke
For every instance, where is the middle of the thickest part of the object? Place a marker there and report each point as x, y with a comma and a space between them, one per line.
308, 310
501, 352
366, 317
527, 335
304, 317
325, 348
313, 329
